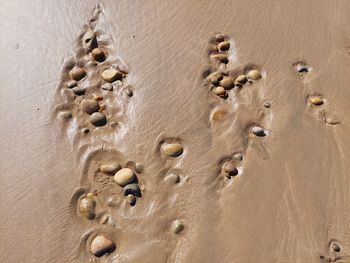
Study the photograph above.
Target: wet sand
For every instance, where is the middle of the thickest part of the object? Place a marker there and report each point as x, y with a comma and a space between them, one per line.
160, 160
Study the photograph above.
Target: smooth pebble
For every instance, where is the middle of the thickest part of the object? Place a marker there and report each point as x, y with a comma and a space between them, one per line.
78, 91
110, 167
129, 92
77, 73
172, 178
219, 91
335, 247
89, 40
254, 74
71, 84
215, 77
107, 86
111, 75
172, 149
101, 245
87, 207
229, 169
241, 79
237, 157
124, 176
131, 199
133, 189
258, 131
98, 119
98, 54
90, 106
221, 57
177, 226
227, 83
317, 101
224, 46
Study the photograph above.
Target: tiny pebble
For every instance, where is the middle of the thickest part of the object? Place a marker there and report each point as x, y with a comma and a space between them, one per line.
133, 189
254, 74
335, 247
229, 169
77, 73
124, 176
87, 207
78, 91
110, 167
139, 167
172, 149
111, 75
98, 54
227, 83
104, 219
131, 199
98, 119
237, 157
101, 245
302, 68
221, 57
241, 79
332, 121
67, 115
219, 38
177, 226
267, 104
85, 130
129, 92
90, 106
89, 40
317, 101
219, 91
258, 131
107, 86
71, 84
172, 178
224, 46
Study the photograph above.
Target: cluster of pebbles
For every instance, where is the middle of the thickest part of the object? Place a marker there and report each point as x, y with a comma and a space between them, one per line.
229, 166
91, 104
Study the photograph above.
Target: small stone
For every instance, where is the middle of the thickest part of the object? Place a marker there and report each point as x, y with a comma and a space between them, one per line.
302, 68
77, 73
172, 178
66, 115
87, 207
241, 79
254, 74
78, 91
317, 101
110, 167
237, 157
111, 75
101, 245
107, 86
138, 168
129, 92
71, 84
98, 119
104, 219
218, 114
133, 189
90, 195
221, 57
332, 121
85, 130
267, 104
172, 149
335, 247
224, 46
89, 41
227, 83
98, 54
90, 106
215, 77
219, 91
219, 38
229, 169
131, 199
258, 131
124, 176
177, 226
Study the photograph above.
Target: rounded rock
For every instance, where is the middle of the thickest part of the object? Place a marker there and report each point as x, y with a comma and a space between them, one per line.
98, 119
98, 54
267, 104
172, 178
229, 169
237, 157
71, 84
101, 245
177, 226
219, 91
111, 75
66, 115
129, 92
132, 189
254, 74
221, 57
90, 106
172, 149
124, 176
258, 131
110, 167
335, 247
227, 83
89, 40
87, 207
317, 101
219, 38
241, 79
131, 199
77, 73
224, 46
301, 68
79, 91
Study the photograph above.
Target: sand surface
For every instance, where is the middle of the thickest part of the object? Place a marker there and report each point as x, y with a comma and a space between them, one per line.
289, 201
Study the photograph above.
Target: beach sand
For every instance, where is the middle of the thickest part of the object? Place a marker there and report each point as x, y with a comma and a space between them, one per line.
175, 131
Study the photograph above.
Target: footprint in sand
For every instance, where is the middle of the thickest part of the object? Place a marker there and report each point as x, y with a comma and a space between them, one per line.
236, 99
